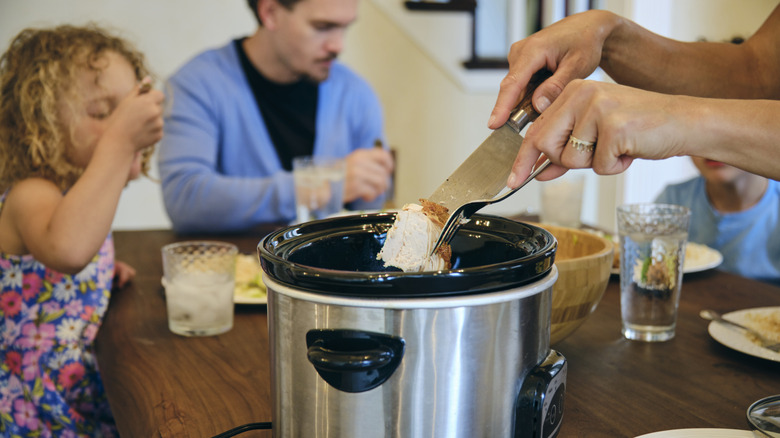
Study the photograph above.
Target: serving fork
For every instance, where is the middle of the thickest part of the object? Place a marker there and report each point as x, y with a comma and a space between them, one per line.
463, 213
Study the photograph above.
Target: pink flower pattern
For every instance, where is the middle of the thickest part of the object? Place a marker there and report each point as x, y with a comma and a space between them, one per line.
31, 285
50, 386
10, 303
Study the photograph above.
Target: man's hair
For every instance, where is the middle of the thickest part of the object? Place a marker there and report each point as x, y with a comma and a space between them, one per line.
288, 4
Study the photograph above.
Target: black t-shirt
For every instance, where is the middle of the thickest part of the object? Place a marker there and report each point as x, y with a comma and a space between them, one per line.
289, 111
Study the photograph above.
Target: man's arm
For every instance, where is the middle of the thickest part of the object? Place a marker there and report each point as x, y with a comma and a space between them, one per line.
198, 197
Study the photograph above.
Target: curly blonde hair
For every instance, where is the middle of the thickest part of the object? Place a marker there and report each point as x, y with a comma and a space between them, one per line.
37, 72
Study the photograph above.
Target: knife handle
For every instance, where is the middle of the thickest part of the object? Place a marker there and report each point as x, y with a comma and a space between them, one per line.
524, 113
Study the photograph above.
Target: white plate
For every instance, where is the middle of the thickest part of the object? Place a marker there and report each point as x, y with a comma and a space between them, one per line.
249, 266
697, 258
238, 299
736, 339
702, 433
700, 258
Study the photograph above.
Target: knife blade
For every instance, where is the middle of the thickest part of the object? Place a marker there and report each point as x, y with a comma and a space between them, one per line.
484, 173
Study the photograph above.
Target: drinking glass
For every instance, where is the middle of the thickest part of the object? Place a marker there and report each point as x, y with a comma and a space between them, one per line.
562, 200
319, 187
199, 281
652, 251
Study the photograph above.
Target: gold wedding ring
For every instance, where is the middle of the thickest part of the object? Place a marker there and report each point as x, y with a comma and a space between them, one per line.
581, 145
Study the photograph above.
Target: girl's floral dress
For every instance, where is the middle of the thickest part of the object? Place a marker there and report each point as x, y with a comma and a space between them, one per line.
49, 381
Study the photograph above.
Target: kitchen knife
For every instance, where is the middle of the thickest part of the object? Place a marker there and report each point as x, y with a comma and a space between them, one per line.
484, 173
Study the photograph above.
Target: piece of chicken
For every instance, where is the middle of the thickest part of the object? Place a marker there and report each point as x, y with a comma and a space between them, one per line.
412, 237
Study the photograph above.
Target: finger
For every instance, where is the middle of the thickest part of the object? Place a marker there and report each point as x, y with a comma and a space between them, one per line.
522, 167
578, 152
553, 171
366, 183
124, 273
145, 85
383, 158
512, 88
607, 158
374, 182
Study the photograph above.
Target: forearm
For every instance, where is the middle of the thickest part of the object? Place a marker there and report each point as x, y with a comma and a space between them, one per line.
742, 133
198, 201
64, 232
637, 57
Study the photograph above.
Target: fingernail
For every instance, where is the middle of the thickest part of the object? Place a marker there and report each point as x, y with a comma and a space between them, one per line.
542, 103
492, 119
510, 182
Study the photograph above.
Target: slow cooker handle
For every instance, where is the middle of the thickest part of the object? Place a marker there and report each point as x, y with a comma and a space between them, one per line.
332, 360
353, 360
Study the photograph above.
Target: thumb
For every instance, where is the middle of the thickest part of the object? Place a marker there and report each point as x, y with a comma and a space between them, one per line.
550, 89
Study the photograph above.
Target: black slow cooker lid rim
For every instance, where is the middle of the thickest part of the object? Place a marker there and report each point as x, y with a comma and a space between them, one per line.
275, 251
508, 265
420, 286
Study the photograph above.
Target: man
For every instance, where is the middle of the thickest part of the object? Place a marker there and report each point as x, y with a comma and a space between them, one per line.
240, 113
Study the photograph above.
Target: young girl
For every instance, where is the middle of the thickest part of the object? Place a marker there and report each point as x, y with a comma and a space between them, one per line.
76, 124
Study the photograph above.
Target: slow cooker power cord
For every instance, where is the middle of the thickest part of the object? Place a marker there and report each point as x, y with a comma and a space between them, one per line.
243, 428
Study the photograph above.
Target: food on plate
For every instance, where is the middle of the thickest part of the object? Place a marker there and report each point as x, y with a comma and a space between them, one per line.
768, 324
411, 238
656, 274
694, 254
249, 277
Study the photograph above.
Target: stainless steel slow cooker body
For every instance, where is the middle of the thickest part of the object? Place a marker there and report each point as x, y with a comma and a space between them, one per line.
361, 352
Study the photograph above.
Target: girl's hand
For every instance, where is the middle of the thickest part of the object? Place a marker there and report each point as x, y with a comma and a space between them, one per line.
123, 274
138, 119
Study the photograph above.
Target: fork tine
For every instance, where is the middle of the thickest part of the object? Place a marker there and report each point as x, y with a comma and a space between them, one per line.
466, 210
449, 229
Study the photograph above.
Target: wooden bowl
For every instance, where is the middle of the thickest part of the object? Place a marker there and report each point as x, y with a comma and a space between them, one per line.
584, 262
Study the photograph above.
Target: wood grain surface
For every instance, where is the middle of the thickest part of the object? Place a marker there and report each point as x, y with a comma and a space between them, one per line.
164, 385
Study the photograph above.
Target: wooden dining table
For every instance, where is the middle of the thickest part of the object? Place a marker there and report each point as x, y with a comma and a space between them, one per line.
164, 385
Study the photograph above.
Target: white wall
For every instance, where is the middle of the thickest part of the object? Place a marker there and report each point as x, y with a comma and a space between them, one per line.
432, 119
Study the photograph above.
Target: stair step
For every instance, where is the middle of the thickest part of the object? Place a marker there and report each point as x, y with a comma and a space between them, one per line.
450, 6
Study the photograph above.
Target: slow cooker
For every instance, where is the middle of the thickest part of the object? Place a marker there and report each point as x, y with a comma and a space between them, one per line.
360, 350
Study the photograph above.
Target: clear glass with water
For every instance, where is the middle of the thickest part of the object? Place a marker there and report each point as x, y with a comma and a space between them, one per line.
561, 200
319, 187
652, 252
200, 304
199, 281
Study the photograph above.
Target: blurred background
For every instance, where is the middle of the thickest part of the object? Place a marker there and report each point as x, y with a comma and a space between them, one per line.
436, 107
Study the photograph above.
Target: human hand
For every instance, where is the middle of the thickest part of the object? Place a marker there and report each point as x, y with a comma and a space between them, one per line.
123, 274
624, 123
570, 48
137, 121
368, 174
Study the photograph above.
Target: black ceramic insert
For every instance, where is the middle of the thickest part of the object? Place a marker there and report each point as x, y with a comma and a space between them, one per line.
338, 257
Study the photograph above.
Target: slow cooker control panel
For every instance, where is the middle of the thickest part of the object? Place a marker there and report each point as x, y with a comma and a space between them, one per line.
539, 406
